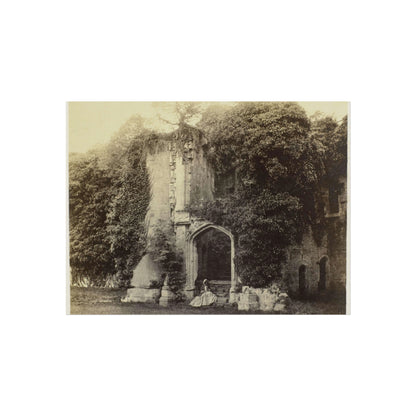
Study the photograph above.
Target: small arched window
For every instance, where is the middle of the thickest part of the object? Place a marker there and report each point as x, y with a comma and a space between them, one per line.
323, 273
302, 279
333, 198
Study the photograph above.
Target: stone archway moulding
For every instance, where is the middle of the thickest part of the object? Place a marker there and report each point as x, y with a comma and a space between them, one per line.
327, 263
324, 260
191, 256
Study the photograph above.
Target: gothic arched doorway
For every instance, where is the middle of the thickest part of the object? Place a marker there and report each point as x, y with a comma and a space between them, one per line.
214, 256
210, 255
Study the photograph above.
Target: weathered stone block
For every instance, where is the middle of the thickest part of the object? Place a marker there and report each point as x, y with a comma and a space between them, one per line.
182, 217
221, 300
189, 293
234, 297
284, 298
137, 294
257, 291
167, 297
248, 302
267, 301
279, 307
146, 273
274, 288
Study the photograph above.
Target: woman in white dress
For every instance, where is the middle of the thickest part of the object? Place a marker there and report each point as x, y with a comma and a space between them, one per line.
206, 298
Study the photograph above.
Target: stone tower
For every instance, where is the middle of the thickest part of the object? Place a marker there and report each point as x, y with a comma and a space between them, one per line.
179, 175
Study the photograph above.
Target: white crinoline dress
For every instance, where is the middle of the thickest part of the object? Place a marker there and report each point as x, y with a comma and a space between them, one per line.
205, 299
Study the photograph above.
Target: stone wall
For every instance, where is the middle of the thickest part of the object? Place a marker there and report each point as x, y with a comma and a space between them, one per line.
191, 181
337, 239
201, 179
267, 299
333, 245
179, 178
159, 174
147, 272
307, 254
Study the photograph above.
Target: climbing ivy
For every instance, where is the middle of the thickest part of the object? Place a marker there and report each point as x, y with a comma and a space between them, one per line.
90, 190
163, 250
278, 164
281, 161
109, 193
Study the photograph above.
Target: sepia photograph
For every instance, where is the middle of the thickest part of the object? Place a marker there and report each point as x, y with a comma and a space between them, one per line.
208, 207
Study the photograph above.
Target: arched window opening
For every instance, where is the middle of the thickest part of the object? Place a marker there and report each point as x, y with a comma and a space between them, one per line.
225, 184
333, 198
302, 279
323, 273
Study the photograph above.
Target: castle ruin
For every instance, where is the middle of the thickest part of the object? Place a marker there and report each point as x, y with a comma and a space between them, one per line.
181, 177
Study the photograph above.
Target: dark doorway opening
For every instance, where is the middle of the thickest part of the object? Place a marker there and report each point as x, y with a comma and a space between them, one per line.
214, 257
302, 280
322, 273
333, 198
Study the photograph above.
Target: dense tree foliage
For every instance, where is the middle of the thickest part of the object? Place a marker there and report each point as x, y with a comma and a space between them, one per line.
161, 246
278, 164
128, 207
334, 138
89, 189
337, 154
279, 160
109, 193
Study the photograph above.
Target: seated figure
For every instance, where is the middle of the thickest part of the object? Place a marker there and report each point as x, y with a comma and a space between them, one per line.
206, 298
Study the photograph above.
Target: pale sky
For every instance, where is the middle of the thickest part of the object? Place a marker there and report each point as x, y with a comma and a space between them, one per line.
94, 123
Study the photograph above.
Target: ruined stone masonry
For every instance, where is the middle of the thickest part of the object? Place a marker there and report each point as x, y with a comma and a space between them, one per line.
180, 177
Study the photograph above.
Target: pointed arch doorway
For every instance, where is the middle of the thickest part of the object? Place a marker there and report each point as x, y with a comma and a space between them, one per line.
323, 273
302, 280
206, 249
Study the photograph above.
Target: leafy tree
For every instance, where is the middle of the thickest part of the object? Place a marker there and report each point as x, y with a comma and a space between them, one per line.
109, 194
337, 154
127, 211
163, 250
181, 113
278, 164
89, 201
334, 138
279, 157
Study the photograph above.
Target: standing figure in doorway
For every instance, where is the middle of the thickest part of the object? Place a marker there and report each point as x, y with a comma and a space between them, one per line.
206, 298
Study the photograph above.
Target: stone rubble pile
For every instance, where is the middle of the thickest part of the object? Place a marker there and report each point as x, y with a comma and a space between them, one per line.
268, 299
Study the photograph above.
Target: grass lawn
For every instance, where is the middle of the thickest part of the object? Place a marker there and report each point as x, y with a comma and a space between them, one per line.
98, 301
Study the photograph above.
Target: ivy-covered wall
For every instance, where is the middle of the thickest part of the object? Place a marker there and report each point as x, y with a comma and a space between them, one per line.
262, 171
202, 179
